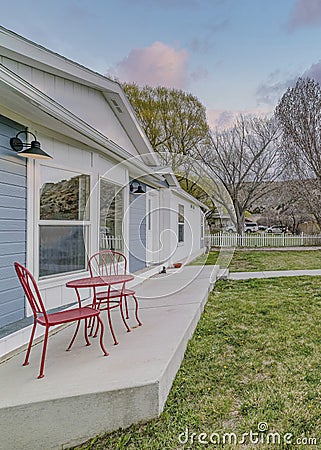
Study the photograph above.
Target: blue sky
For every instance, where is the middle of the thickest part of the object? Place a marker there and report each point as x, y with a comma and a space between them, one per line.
234, 55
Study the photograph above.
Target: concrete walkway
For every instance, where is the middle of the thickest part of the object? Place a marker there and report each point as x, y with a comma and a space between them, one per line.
272, 274
84, 393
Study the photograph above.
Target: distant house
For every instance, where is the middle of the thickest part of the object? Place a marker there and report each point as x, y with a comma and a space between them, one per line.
55, 212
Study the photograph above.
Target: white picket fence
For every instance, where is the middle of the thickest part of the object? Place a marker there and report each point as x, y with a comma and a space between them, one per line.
261, 240
111, 242
236, 240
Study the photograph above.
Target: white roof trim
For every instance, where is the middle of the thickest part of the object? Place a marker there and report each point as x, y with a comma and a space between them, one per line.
55, 112
168, 174
15, 46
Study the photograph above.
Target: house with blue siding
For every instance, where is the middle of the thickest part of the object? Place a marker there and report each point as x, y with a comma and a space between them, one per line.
102, 188
13, 223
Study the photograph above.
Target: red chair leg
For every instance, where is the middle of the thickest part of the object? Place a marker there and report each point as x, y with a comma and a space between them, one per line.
102, 336
93, 319
97, 328
111, 326
26, 361
136, 311
122, 313
74, 336
126, 308
44, 350
92, 324
86, 333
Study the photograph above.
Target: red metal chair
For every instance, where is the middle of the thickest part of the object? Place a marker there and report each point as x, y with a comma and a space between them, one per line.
41, 316
110, 262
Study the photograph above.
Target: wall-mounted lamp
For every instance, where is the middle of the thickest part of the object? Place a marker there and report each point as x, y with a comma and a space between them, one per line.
32, 150
138, 189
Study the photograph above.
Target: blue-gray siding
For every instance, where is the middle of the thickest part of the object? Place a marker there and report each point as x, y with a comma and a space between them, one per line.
137, 232
13, 211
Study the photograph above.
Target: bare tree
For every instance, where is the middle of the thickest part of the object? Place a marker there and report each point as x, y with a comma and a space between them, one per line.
245, 159
299, 117
309, 192
285, 206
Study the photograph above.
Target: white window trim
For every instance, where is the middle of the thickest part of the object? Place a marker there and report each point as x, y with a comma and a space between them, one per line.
57, 279
125, 225
180, 243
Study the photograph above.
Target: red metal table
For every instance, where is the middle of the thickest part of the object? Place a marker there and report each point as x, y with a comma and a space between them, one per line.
101, 281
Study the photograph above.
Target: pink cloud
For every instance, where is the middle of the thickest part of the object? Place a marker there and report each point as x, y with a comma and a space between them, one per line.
305, 13
157, 65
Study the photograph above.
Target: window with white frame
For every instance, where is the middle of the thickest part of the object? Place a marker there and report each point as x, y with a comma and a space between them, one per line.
180, 223
111, 215
64, 221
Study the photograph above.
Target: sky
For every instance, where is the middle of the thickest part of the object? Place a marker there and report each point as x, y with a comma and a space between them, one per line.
235, 56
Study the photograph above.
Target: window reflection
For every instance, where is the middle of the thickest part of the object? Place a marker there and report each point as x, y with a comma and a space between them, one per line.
111, 215
63, 195
62, 249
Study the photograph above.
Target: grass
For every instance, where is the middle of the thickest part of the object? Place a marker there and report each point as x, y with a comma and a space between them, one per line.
255, 357
258, 260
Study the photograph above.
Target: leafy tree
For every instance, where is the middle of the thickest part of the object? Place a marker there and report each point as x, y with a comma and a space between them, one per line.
176, 125
173, 120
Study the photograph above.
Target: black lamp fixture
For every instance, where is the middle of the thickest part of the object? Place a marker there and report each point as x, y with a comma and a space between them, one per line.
138, 190
32, 150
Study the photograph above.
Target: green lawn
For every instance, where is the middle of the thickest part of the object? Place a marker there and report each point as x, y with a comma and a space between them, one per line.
257, 260
255, 358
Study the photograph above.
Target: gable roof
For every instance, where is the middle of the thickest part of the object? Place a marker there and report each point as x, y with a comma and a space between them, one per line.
27, 52
35, 104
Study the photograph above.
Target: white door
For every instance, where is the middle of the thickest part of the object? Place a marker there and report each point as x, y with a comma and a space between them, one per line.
152, 227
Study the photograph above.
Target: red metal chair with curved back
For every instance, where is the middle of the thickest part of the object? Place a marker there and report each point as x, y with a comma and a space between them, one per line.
41, 316
110, 262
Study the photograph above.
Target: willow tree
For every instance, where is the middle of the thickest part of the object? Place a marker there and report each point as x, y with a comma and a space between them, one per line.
176, 125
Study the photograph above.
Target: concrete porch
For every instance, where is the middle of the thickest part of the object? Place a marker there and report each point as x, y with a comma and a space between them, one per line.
84, 393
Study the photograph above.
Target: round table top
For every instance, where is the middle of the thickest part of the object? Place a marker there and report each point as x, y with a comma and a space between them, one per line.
103, 280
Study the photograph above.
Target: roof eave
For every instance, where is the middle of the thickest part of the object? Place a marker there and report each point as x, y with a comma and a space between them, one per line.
14, 46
